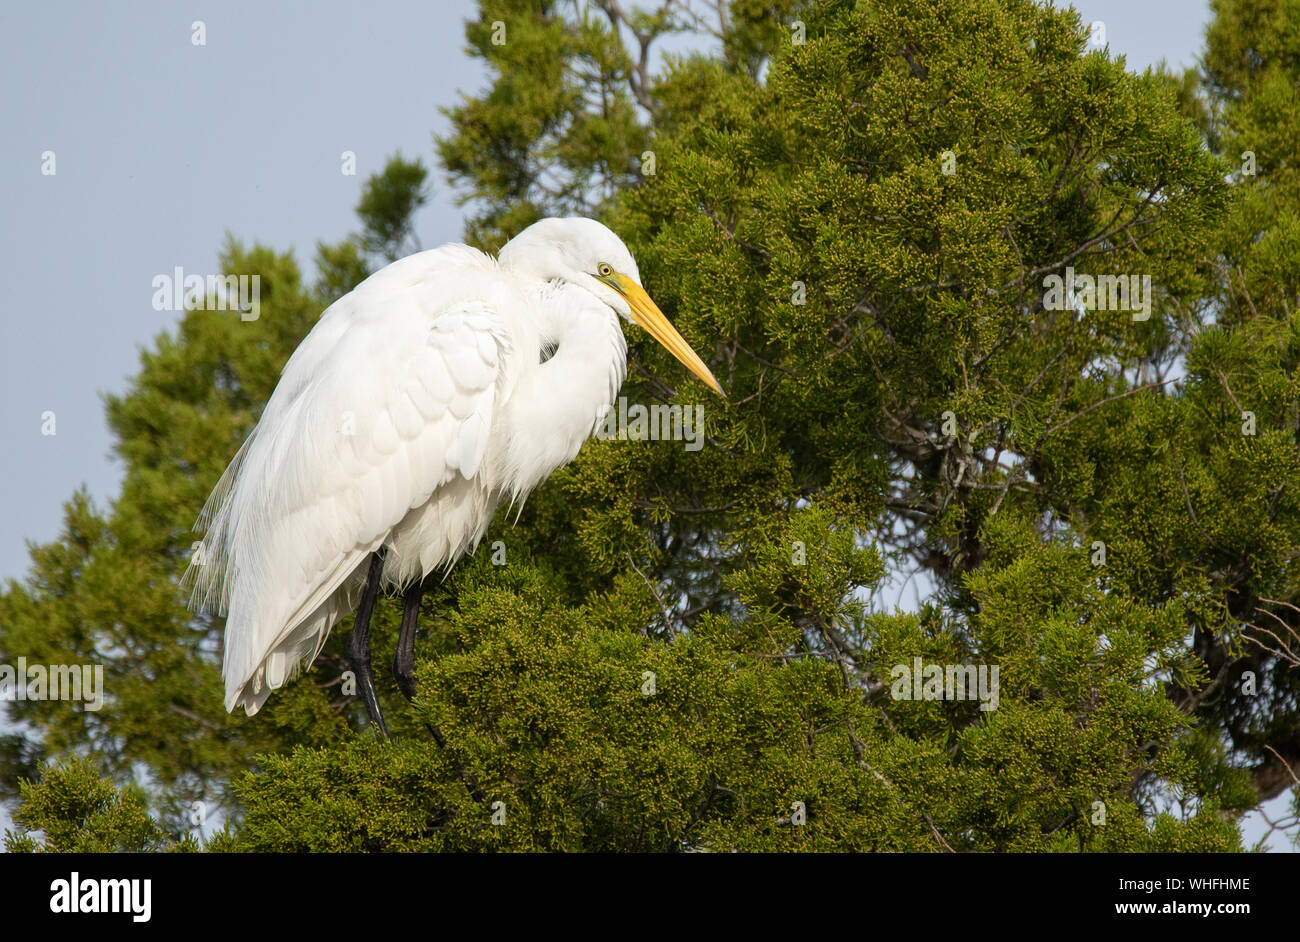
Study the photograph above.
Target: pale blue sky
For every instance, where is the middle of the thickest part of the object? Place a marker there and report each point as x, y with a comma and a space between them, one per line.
161, 147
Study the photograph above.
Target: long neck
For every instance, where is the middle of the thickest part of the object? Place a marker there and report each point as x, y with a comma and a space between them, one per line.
555, 406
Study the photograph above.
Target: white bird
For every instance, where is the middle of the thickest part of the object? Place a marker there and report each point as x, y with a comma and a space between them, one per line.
418, 402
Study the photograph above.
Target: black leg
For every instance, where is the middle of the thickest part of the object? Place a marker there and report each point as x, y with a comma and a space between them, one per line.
404, 659
359, 643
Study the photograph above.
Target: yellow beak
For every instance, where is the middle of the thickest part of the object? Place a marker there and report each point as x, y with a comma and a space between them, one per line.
647, 314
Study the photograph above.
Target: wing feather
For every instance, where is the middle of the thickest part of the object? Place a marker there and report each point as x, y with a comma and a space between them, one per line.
389, 398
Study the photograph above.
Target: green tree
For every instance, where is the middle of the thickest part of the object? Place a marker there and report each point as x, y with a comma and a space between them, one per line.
1247, 363
855, 213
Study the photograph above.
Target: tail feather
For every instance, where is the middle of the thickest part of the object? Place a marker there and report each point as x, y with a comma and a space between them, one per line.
248, 684
206, 577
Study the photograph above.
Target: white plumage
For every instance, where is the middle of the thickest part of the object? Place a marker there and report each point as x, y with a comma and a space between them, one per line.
414, 406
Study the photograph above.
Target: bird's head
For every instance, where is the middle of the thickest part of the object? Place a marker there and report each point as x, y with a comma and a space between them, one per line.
587, 254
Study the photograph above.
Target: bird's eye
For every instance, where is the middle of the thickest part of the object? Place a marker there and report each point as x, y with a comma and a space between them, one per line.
604, 270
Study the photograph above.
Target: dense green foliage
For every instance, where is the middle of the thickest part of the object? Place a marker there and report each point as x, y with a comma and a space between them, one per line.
852, 211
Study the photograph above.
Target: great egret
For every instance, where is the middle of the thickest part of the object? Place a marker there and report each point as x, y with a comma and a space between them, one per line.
417, 402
